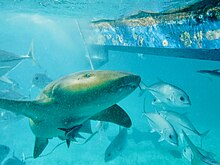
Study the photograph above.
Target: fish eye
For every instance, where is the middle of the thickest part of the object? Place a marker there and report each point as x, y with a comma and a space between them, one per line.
170, 136
36, 78
182, 98
109, 154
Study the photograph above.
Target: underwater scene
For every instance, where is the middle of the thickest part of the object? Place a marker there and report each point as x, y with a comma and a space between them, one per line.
109, 82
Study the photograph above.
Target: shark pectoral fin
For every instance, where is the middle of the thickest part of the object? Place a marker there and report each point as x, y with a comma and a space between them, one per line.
39, 146
114, 114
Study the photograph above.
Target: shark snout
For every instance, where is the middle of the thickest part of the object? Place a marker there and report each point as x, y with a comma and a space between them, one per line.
130, 79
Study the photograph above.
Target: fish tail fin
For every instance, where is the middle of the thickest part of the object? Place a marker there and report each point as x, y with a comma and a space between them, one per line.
202, 135
144, 107
31, 55
143, 87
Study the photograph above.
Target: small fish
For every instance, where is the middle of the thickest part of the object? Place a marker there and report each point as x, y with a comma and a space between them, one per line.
188, 154
4, 151
163, 127
195, 156
168, 94
11, 94
40, 80
181, 122
117, 146
215, 72
72, 133
13, 161
9, 61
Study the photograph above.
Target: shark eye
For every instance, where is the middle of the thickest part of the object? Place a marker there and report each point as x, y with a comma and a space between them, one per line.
182, 98
87, 75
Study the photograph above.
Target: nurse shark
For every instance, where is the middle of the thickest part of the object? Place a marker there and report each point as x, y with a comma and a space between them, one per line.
73, 100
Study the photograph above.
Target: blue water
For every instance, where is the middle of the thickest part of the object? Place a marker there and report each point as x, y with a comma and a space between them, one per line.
60, 50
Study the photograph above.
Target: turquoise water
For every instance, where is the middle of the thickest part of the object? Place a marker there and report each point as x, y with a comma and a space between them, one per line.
60, 50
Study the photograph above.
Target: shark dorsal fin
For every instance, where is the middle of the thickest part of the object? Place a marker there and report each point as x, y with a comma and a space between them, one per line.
114, 114
40, 145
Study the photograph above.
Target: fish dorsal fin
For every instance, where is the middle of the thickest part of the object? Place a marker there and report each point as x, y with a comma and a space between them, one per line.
114, 114
39, 146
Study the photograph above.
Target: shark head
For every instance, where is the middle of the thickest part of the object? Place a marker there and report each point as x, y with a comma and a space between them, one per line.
89, 88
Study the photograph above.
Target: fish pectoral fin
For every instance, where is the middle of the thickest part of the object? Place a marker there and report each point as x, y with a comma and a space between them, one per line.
161, 139
39, 146
114, 114
68, 143
152, 130
6, 80
77, 135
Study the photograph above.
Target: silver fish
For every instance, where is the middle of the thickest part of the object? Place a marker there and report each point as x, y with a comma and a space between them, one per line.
72, 133
116, 146
9, 61
163, 127
4, 151
195, 156
41, 80
181, 122
11, 94
13, 161
168, 94
188, 154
